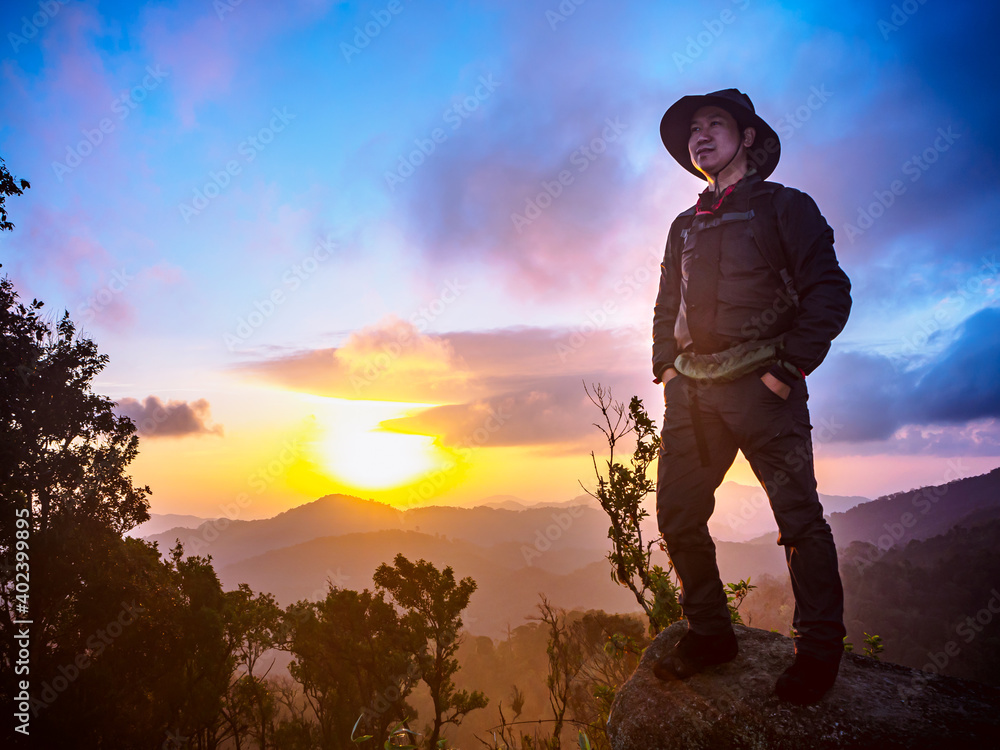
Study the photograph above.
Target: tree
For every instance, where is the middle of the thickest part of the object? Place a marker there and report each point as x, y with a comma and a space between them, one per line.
620, 494
434, 601
123, 646
63, 450
565, 663
353, 655
8, 186
253, 624
611, 646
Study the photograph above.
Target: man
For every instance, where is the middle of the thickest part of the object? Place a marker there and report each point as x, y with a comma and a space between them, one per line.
750, 297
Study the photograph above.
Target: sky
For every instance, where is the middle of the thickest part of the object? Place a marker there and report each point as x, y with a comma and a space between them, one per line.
379, 248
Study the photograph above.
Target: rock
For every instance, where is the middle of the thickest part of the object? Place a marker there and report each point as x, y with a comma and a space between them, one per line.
873, 704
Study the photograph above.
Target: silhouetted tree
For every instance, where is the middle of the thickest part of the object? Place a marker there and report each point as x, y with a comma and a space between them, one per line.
63, 450
8, 186
253, 627
354, 656
434, 601
565, 663
620, 494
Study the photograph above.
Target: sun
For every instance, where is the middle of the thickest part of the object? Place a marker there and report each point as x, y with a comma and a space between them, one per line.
355, 451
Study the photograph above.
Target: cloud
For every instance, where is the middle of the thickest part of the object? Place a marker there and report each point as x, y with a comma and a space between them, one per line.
155, 419
392, 360
948, 400
540, 179
523, 385
557, 411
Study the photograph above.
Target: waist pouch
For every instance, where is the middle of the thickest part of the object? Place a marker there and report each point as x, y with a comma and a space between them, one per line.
731, 363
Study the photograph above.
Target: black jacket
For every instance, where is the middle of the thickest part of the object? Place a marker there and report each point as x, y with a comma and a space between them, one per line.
822, 287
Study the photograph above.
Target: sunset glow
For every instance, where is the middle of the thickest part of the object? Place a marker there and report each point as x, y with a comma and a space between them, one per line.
358, 453
409, 265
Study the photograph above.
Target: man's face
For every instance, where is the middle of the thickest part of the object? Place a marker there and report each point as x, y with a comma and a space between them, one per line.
714, 139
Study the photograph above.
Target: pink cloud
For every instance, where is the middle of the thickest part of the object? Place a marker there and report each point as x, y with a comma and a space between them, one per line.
527, 382
155, 419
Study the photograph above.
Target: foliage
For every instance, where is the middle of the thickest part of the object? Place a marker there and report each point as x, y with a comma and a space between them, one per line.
873, 646
434, 603
735, 594
353, 653
620, 494
63, 450
8, 186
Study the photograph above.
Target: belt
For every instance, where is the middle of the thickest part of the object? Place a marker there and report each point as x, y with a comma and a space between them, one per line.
731, 363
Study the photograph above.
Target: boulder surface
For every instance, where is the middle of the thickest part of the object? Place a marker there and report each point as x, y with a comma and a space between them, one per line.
872, 704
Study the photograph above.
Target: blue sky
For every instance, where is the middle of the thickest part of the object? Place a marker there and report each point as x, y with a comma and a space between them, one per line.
354, 272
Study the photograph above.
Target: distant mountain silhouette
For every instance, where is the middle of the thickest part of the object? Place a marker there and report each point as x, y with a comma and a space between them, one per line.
514, 554
503, 502
161, 522
335, 515
507, 588
510, 502
742, 512
921, 513
935, 601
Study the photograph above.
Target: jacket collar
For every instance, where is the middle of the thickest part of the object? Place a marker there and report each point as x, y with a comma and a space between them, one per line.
709, 204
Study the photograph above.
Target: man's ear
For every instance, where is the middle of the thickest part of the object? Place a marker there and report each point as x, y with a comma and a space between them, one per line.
748, 137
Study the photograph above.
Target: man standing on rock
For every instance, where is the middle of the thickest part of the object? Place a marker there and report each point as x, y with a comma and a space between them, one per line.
750, 297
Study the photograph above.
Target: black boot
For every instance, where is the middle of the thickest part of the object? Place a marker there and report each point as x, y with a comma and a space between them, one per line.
807, 680
695, 652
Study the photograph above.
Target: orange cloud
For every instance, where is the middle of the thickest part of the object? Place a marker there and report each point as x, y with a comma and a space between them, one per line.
515, 386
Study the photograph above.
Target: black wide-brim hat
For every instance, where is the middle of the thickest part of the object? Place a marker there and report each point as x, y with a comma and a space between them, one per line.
675, 129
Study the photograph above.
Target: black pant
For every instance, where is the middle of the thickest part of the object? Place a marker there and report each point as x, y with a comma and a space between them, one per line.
774, 435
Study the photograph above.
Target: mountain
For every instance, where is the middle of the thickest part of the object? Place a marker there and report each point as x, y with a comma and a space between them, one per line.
743, 513
160, 522
934, 601
336, 515
510, 502
228, 540
514, 555
503, 502
921, 513
507, 591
